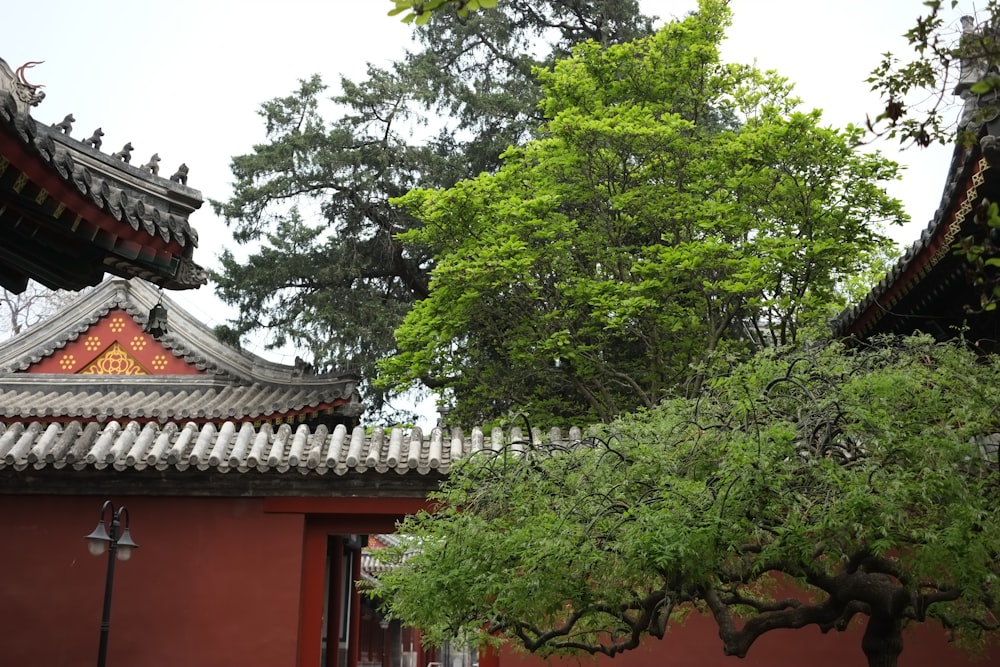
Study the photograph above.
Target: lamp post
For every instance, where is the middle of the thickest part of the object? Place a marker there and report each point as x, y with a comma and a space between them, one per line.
113, 537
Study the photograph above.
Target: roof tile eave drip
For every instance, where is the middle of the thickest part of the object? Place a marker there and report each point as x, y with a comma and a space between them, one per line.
238, 448
925, 252
155, 193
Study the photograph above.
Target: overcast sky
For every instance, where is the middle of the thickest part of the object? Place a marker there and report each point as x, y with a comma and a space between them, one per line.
184, 79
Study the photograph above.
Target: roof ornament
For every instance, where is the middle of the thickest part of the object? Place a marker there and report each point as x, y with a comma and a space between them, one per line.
153, 165
181, 175
29, 93
156, 323
302, 367
125, 154
66, 126
95, 139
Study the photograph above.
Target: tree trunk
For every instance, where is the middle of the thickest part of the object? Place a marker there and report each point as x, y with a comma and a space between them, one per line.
883, 640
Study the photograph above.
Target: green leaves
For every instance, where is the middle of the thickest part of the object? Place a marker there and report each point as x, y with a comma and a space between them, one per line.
339, 293
672, 209
984, 86
980, 251
916, 92
421, 11
863, 475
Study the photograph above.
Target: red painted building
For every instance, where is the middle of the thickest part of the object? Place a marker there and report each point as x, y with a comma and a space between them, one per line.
250, 489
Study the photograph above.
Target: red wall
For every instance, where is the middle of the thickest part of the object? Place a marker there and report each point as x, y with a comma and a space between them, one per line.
697, 644
215, 582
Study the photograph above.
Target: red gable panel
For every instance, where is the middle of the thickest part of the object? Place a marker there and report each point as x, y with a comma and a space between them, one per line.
115, 345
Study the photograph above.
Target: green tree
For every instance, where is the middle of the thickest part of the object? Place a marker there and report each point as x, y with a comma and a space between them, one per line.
327, 270
948, 55
805, 488
672, 208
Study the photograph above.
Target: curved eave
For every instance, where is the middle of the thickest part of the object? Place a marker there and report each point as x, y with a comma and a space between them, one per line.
65, 227
970, 169
201, 399
896, 304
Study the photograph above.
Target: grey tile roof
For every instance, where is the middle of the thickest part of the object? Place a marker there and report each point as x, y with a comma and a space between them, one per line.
136, 199
927, 252
163, 398
969, 179
244, 448
372, 567
236, 384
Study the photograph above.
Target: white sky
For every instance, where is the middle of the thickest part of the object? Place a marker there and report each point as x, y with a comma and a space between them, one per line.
185, 79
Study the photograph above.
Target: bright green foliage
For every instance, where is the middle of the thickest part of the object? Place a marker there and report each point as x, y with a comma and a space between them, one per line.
420, 11
672, 208
802, 489
917, 92
325, 270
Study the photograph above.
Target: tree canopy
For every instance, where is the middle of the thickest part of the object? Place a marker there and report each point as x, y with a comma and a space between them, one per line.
326, 269
672, 207
804, 488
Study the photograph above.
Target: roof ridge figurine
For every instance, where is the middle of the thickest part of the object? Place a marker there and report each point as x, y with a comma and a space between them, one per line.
66, 125
125, 154
95, 139
153, 166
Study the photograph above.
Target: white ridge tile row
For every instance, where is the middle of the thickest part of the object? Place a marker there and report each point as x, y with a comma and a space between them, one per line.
242, 447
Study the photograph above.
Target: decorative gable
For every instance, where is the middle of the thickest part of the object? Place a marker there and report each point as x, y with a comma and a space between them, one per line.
114, 345
93, 361
114, 361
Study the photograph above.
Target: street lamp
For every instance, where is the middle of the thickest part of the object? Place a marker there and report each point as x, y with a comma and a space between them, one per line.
119, 546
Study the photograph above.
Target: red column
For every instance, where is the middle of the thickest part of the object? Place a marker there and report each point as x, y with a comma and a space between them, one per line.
335, 605
354, 629
311, 596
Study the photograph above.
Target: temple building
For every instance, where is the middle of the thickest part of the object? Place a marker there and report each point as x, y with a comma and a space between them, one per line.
69, 213
945, 284
123, 350
250, 487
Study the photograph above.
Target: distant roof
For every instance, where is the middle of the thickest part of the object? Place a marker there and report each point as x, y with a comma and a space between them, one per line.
371, 566
70, 212
926, 289
929, 289
211, 381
